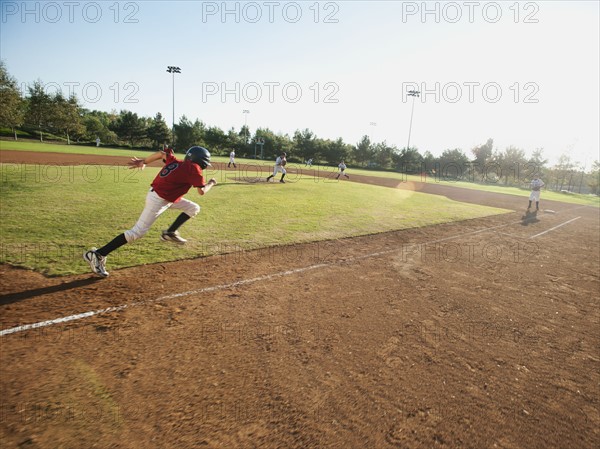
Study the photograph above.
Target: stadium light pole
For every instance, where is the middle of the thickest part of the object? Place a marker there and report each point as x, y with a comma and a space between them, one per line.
246, 112
372, 124
173, 70
414, 94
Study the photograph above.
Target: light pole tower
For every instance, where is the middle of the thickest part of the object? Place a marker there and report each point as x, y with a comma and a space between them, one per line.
246, 112
373, 124
414, 94
173, 70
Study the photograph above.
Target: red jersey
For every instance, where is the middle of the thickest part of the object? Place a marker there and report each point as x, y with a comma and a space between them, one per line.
176, 178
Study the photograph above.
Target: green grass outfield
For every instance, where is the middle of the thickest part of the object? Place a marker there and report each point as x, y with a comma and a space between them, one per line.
490, 187
29, 145
51, 214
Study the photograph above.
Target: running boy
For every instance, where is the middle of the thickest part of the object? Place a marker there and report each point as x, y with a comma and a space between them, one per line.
172, 182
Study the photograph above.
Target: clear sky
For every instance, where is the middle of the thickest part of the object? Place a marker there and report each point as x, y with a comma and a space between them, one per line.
523, 73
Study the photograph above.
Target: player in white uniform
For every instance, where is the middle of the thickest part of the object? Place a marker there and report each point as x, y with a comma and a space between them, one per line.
231, 159
342, 167
280, 163
536, 185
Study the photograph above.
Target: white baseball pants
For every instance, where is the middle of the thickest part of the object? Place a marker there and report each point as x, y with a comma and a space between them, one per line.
155, 206
534, 196
279, 168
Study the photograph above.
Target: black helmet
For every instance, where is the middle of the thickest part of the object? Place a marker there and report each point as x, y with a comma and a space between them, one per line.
198, 155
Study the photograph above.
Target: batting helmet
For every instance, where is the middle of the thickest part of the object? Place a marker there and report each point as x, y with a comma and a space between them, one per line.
198, 155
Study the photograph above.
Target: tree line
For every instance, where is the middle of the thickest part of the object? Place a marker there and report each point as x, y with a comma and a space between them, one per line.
45, 115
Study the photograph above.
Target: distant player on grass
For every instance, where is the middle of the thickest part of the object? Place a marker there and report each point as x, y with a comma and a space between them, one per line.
280, 164
231, 159
172, 182
536, 185
342, 167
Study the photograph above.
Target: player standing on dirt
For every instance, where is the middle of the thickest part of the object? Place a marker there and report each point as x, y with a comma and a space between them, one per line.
342, 167
172, 182
280, 164
231, 159
536, 185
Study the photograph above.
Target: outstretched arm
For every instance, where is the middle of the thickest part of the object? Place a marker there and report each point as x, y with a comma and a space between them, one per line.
204, 190
141, 163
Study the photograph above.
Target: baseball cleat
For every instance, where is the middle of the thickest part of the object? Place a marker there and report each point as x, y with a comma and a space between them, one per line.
172, 237
97, 262
281, 180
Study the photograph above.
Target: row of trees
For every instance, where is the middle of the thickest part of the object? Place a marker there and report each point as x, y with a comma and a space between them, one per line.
39, 113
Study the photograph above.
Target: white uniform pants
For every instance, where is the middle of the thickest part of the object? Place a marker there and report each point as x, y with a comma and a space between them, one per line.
534, 196
279, 168
155, 206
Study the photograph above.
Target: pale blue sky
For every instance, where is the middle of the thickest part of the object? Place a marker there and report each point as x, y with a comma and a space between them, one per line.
368, 54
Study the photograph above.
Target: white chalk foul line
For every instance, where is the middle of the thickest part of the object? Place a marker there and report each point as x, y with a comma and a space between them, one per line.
79, 316
65, 319
555, 227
